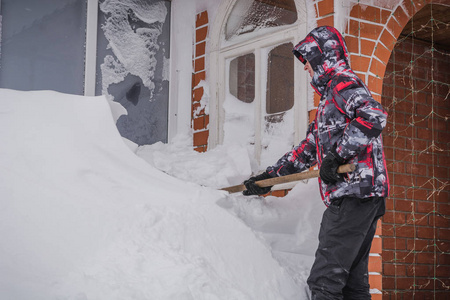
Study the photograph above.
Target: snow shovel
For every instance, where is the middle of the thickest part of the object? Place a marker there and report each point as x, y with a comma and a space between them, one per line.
288, 178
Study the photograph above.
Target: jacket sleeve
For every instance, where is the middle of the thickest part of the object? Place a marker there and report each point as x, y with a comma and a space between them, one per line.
299, 158
368, 118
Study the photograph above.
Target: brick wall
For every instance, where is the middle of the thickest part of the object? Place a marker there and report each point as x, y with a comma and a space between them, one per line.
200, 120
416, 259
410, 264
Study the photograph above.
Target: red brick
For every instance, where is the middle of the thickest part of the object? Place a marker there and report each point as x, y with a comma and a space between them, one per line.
405, 231
424, 206
388, 230
316, 99
198, 77
199, 64
419, 270
403, 205
424, 182
426, 258
376, 245
375, 84
352, 44
279, 193
394, 217
375, 281
376, 296
443, 234
382, 53
360, 63
439, 221
444, 258
202, 19
200, 149
200, 34
444, 208
197, 94
325, 7
404, 256
377, 68
370, 31
401, 16
379, 228
377, 97
394, 27
385, 14
366, 12
327, 21
417, 219
409, 6
312, 115
394, 243
201, 138
375, 264
442, 271
392, 269
388, 283
425, 232
388, 40
419, 245
405, 283
199, 123
200, 49
367, 47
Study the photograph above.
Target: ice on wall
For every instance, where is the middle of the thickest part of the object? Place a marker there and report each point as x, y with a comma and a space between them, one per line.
132, 41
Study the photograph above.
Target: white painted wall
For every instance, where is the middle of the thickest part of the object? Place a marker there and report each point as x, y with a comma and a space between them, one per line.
182, 37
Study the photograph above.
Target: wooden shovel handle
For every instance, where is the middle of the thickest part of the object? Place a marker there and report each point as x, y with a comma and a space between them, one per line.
288, 178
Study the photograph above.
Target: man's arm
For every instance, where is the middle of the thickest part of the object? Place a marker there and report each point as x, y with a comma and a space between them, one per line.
368, 118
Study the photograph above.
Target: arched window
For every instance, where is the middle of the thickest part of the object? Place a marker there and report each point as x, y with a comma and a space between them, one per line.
249, 15
261, 89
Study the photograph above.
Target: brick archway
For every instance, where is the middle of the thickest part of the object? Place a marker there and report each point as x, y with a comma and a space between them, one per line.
371, 35
415, 233
413, 224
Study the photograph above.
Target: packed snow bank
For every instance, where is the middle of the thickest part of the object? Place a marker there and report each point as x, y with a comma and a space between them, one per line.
83, 217
219, 167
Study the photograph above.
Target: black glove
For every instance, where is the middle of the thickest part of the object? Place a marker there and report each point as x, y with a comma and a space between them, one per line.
253, 189
328, 169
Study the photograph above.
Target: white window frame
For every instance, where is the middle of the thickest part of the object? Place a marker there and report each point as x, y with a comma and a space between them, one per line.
222, 50
91, 48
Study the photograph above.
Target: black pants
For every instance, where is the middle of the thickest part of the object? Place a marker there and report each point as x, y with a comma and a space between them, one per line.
340, 269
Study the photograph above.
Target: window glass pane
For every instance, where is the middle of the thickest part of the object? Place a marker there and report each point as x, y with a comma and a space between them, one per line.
280, 80
239, 104
242, 78
277, 132
43, 45
250, 15
133, 49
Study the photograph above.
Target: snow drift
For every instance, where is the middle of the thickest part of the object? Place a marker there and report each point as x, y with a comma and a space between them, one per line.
83, 217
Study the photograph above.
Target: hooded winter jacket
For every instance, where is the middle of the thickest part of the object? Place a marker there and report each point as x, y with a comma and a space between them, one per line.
347, 118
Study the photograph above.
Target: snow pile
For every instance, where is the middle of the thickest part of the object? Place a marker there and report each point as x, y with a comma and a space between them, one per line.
219, 167
83, 217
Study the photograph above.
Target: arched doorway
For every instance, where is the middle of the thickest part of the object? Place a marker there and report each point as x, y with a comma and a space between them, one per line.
416, 238
260, 99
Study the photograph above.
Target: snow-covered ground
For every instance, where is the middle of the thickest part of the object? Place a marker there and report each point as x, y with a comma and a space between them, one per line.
85, 215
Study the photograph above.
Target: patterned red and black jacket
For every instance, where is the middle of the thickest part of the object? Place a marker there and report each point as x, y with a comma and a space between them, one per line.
347, 118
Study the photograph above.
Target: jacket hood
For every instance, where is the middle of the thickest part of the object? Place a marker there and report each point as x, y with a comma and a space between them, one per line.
326, 51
